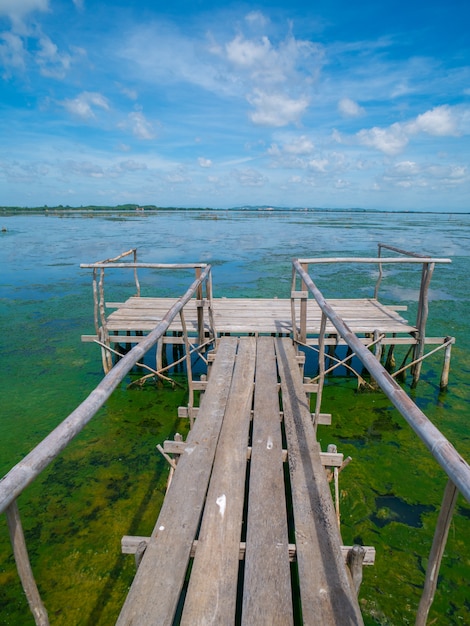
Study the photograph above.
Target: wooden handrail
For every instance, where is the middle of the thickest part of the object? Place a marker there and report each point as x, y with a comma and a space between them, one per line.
442, 450
387, 259
24, 472
131, 264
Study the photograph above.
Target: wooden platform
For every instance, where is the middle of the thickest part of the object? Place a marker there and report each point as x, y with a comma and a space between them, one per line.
264, 316
241, 541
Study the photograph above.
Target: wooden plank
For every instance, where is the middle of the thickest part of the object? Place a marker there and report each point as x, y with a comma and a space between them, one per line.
212, 591
156, 588
238, 315
131, 543
327, 594
267, 596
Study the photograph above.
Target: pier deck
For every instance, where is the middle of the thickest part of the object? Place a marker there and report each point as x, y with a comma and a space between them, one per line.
246, 541
262, 315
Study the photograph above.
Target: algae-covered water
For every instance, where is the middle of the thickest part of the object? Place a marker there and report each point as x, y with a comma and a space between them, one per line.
110, 481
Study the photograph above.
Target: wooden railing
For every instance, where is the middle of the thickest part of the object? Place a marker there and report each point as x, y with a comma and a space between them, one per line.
100, 318
29, 468
427, 263
456, 468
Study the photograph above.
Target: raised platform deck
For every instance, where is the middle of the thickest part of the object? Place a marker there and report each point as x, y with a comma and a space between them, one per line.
238, 316
246, 541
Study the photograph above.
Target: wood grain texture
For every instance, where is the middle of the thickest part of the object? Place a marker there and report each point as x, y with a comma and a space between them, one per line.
267, 597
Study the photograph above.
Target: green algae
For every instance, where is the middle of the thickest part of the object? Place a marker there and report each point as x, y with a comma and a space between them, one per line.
110, 481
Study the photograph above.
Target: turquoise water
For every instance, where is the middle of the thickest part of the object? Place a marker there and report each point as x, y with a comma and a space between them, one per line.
110, 481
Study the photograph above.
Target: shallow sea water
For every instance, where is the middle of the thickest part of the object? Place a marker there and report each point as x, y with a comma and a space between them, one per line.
110, 481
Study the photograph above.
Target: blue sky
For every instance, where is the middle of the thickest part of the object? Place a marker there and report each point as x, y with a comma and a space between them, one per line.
202, 103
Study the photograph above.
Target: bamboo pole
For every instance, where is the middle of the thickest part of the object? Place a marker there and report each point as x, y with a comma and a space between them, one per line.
155, 266
392, 260
96, 303
423, 308
23, 565
107, 358
442, 450
24, 472
321, 365
200, 309
187, 346
446, 366
136, 276
437, 551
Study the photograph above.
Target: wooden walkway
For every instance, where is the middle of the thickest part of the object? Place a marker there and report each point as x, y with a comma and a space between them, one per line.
261, 315
243, 538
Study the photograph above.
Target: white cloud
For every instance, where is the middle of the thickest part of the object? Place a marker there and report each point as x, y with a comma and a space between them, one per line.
250, 54
318, 165
250, 178
140, 126
349, 108
52, 63
82, 105
300, 145
276, 109
12, 52
390, 140
204, 162
442, 121
251, 67
17, 9
256, 18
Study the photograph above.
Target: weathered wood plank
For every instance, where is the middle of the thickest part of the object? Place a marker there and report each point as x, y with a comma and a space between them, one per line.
327, 595
155, 592
212, 591
130, 544
267, 597
238, 315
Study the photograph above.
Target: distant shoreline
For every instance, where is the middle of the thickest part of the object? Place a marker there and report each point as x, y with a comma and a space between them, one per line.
133, 208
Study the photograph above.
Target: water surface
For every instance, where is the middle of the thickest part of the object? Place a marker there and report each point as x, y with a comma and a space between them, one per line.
110, 481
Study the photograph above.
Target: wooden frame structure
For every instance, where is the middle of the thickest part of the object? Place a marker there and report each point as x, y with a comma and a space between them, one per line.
228, 394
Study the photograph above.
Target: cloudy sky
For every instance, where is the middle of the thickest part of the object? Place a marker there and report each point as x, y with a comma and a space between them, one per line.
329, 103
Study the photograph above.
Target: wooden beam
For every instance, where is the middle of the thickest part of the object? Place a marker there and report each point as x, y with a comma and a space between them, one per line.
130, 544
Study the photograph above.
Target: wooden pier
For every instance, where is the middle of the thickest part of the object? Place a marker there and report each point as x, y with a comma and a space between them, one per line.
240, 538
207, 317
249, 530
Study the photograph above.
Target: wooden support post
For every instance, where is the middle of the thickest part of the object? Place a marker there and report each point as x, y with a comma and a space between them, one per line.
136, 276
303, 309
333, 450
422, 317
24, 566
159, 357
321, 366
437, 551
355, 562
446, 366
200, 310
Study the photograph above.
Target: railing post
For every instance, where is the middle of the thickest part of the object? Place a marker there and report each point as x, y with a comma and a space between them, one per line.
446, 366
209, 307
200, 309
187, 346
421, 319
321, 367
437, 550
303, 308
104, 335
136, 276
379, 278
23, 565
